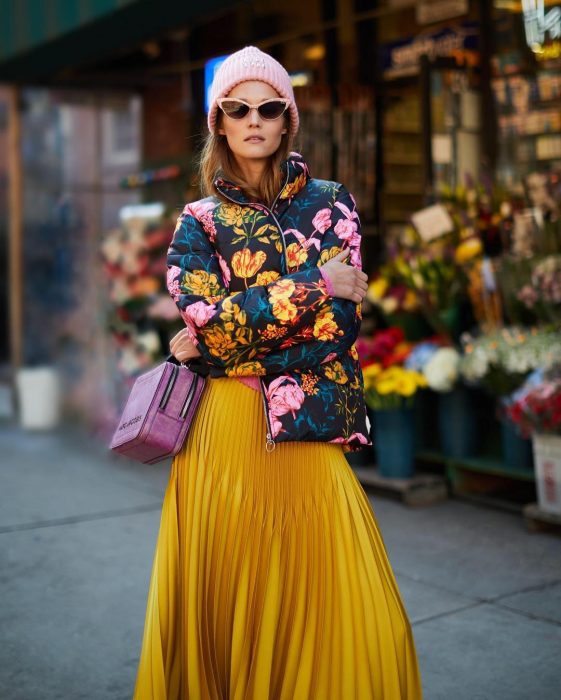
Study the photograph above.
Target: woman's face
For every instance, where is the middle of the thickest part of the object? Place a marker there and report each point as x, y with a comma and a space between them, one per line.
253, 138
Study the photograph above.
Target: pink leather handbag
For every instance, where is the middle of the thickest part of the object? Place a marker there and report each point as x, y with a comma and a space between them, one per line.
159, 411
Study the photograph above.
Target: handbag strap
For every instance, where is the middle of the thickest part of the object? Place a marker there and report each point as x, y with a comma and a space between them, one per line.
196, 364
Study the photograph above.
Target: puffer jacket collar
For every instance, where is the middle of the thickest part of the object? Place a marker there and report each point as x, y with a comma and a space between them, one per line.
296, 175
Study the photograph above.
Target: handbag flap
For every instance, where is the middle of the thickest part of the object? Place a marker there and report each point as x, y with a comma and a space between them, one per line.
142, 403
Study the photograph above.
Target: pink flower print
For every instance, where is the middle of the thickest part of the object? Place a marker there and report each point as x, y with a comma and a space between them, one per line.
225, 269
276, 425
322, 220
345, 228
173, 275
200, 312
346, 211
301, 238
199, 209
285, 396
189, 325
331, 356
361, 438
356, 258
207, 222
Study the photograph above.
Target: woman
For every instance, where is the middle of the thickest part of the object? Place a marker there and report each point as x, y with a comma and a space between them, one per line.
270, 577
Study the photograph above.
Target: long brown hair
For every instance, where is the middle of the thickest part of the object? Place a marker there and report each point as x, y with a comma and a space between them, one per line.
216, 156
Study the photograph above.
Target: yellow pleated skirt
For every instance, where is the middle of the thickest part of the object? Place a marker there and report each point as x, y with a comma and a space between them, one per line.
270, 577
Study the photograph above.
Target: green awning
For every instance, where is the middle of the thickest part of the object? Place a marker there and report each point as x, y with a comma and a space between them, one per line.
41, 38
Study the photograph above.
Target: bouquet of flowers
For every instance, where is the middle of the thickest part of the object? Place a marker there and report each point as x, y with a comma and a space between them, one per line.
141, 312
543, 293
387, 384
501, 361
389, 294
537, 409
385, 347
392, 387
438, 362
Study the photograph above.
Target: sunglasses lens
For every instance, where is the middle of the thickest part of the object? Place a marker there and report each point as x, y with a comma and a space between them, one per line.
234, 109
272, 110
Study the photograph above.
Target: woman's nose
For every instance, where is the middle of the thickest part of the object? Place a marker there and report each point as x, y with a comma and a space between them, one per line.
254, 118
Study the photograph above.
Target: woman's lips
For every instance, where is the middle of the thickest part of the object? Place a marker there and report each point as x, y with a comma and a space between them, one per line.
254, 139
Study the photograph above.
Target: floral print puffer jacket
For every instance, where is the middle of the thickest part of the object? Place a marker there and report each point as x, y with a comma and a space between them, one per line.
246, 280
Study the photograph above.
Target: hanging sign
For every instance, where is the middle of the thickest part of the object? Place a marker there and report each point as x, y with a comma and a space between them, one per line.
429, 11
404, 57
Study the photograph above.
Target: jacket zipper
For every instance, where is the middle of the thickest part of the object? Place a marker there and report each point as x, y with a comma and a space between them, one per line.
270, 444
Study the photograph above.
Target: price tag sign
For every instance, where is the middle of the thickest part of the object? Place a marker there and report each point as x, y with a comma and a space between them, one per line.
432, 222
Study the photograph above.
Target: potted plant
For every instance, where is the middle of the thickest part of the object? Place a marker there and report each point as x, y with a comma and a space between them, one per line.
537, 412
390, 391
500, 362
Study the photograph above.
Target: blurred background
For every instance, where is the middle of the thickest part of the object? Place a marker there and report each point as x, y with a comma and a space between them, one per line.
443, 118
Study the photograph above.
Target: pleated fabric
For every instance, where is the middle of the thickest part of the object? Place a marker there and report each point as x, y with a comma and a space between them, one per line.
270, 577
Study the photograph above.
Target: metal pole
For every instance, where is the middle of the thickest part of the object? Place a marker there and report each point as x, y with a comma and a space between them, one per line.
15, 227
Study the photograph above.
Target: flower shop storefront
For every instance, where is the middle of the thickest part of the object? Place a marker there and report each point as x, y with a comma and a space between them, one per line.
461, 344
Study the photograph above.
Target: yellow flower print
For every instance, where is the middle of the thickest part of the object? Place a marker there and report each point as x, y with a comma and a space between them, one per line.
336, 372
283, 289
267, 277
329, 253
232, 312
272, 332
354, 352
296, 255
246, 369
246, 264
201, 283
219, 342
325, 327
233, 214
309, 382
284, 310
293, 187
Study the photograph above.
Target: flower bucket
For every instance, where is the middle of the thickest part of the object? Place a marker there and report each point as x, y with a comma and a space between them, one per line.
517, 451
39, 398
457, 423
547, 460
393, 435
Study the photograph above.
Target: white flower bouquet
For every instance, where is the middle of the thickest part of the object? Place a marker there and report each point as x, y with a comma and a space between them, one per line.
501, 361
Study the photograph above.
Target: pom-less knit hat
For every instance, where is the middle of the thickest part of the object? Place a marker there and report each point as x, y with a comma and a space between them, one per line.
251, 63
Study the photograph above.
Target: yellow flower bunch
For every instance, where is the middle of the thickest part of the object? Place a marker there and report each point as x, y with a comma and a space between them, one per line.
391, 387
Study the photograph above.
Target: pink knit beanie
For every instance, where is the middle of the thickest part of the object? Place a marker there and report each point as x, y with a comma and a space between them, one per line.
251, 63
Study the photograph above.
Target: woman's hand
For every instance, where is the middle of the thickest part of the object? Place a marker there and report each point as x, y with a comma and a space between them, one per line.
348, 282
182, 347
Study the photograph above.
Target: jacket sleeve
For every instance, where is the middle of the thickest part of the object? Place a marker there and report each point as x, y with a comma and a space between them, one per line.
232, 330
338, 322
344, 232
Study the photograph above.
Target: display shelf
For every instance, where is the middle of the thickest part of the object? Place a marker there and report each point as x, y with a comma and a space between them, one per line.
485, 464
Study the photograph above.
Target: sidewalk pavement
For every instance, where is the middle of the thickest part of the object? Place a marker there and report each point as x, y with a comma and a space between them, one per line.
77, 535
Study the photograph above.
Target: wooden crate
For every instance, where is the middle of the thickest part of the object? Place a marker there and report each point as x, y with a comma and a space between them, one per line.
419, 490
538, 520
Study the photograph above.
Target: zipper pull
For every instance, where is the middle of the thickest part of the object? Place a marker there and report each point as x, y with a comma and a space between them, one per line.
270, 442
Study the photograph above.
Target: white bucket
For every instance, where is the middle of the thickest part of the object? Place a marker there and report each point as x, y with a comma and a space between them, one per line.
547, 460
38, 390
